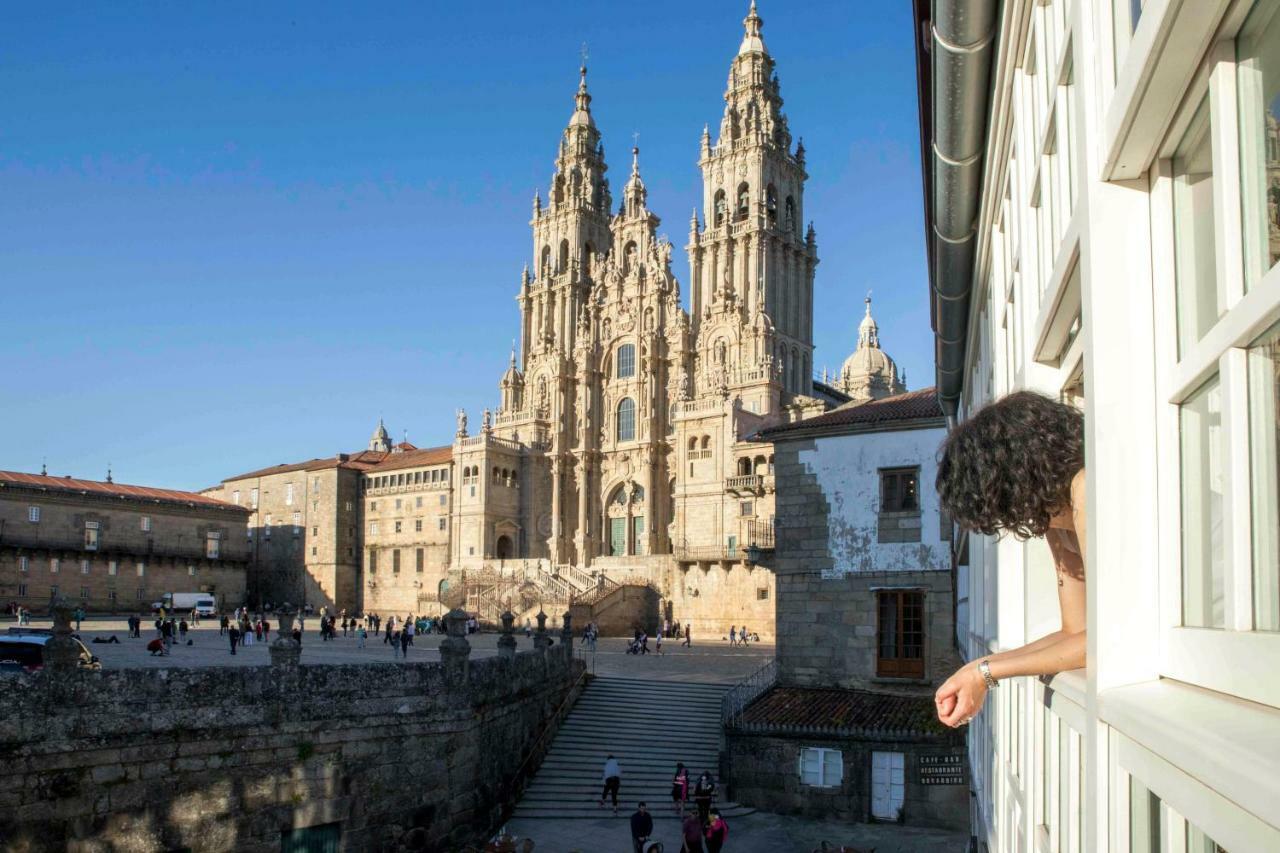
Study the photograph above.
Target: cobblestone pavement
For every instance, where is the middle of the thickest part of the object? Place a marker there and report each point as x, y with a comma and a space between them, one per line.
711, 661
756, 833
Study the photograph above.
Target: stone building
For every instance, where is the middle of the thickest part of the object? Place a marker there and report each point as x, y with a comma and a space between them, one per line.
846, 723
108, 546
619, 452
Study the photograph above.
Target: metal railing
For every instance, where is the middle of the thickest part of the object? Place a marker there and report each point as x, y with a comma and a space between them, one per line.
762, 534
742, 694
684, 551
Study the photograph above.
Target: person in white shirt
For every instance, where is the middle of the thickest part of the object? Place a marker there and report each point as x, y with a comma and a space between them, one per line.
612, 777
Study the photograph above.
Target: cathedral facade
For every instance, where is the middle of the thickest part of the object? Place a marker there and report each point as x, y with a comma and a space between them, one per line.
623, 443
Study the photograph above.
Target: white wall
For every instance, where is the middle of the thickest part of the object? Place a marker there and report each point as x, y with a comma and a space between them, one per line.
847, 468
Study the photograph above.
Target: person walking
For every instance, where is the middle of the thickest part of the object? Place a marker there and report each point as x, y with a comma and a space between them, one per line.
233, 634
223, 625
733, 636
658, 641
409, 629
691, 833
703, 793
362, 634
395, 643
406, 637
742, 635
680, 788
641, 827
79, 618
182, 632
688, 637
612, 777
386, 638
717, 833
266, 630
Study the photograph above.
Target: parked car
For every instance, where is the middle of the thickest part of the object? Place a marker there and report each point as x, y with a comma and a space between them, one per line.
26, 652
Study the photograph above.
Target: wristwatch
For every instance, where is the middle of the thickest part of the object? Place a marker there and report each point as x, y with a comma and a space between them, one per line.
985, 669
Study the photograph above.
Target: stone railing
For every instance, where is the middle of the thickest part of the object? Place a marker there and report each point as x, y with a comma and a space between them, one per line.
745, 692
686, 408
744, 483
437, 485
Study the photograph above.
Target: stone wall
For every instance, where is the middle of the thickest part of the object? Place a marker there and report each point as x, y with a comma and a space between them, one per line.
228, 759
765, 774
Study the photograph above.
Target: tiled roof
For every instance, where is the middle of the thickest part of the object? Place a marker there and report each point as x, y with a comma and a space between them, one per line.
844, 712
911, 406
414, 458
120, 490
363, 461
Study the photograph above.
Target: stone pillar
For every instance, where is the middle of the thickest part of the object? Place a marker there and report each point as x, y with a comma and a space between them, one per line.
507, 642
541, 640
554, 550
454, 649
566, 633
284, 649
62, 652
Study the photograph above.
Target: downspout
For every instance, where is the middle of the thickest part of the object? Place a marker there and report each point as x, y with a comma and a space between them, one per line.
963, 34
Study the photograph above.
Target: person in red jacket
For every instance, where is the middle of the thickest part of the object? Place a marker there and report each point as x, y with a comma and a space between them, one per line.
691, 831
717, 833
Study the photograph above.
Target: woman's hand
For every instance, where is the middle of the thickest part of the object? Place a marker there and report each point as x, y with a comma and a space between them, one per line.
960, 697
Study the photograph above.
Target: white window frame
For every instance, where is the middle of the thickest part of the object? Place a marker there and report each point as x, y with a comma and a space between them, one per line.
141, 569
1191, 654
33, 514
288, 494
827, 760
54, 565
113, 567
145, 523
24, 565
213, 545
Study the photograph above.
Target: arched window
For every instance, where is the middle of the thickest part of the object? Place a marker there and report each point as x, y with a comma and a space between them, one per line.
771, 205
720, 208
744, 466
515, 479
706, 442
796, 364
759, 465
497, 477
627, 419
693, 443
563, 263
790, 212
770, 463
637, 494
626, 361
544, 265
744, 200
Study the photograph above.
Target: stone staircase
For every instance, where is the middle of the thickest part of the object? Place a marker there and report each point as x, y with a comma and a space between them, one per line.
648, 726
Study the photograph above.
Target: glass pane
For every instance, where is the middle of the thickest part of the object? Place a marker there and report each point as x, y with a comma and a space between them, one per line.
1258, 83
1064, 784
1199, 304
1198, 842
1264, 475
1200, 424
1144, 819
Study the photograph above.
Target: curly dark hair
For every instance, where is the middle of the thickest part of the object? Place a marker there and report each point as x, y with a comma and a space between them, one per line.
1009, 466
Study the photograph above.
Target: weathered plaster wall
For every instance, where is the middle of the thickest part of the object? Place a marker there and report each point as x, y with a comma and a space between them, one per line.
846, 469
226, 759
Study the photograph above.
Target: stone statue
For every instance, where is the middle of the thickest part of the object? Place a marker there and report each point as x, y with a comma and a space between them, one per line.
487, 421
462, 423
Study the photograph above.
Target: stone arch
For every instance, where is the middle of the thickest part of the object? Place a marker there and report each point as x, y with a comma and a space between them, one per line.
626, 422
744, 466
544, 262
771, 205
742, 201
562, 261
720, 208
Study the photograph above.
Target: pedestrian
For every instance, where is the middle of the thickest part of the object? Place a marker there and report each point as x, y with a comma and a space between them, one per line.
409, 629
257, 631
733, 636
644, 643
742, 636
703, 793
362, 633
658, 647
266, 630
688, 640
233, 634
691, 832
528, 628
641, 827
195, 617
182, 632
223, 625
166, 634
387, 636
79, 618
717, 832
395, 643
612, 777
680, 788
405, 639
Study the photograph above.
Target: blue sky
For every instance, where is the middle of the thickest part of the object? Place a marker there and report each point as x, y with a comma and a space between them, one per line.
234, 234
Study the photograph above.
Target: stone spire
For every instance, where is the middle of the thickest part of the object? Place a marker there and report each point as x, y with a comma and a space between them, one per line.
582, 101
381, 440
634, 193
751, 39
868, 331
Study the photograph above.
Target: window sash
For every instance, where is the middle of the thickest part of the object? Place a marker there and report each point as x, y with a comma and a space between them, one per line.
900, 634
1192, 654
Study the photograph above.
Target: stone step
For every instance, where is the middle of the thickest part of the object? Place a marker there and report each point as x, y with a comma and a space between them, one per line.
640, 685
594, 811
656, 736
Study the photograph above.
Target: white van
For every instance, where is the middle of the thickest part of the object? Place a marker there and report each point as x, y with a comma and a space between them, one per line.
204, 603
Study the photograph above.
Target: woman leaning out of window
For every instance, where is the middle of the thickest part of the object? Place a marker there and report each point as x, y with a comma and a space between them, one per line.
1017, 466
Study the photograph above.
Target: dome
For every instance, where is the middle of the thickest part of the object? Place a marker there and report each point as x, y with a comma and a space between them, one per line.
512, 376
869, 374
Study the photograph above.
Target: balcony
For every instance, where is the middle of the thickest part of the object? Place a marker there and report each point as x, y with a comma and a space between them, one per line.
749, 484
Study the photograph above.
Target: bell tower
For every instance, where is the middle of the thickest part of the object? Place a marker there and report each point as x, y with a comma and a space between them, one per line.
752, 256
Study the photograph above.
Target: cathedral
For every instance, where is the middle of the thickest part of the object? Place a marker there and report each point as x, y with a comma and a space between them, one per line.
622, 446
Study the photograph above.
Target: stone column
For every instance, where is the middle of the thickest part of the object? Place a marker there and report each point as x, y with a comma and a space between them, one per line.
541, 640
554, 550
62, 652
507, 642
566, 633
454, 649
284, 649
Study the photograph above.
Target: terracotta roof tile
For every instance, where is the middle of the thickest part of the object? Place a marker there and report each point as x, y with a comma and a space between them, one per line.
122, 490
848, 712
911, 406
414, 458
362, 461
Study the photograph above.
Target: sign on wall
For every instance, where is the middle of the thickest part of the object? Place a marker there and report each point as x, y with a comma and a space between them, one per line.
943, 769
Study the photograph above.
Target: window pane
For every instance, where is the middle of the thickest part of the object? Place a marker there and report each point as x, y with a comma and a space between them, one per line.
1264, 464
1198, 842
1258, 83
1144, 819
1200, 422
1199, 304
